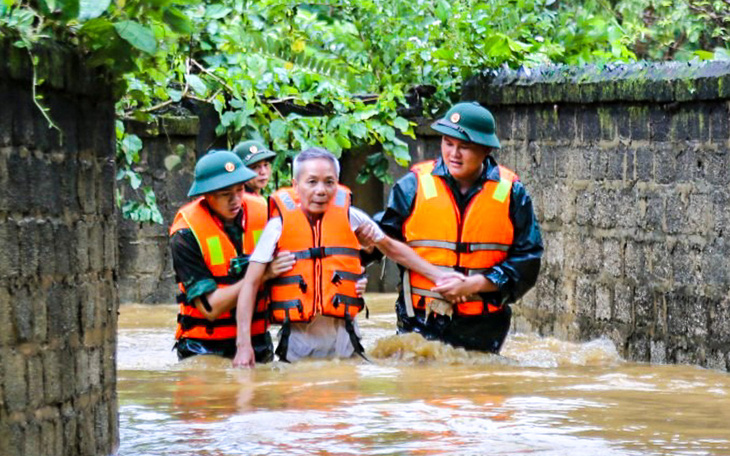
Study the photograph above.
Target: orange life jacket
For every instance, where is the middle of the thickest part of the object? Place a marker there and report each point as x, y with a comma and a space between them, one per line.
327, 266
470, 244
257, 210
257, 214
217, 251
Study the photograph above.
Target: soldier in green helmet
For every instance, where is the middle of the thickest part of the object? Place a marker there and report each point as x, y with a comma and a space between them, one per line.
464, 213
257, 157
207, 244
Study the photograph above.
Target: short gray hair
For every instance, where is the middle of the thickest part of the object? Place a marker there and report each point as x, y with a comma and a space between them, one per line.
311, 154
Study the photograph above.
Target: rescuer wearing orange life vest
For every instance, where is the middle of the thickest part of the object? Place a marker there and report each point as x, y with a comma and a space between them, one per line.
316, 300
257, 158
209, 259
464, 212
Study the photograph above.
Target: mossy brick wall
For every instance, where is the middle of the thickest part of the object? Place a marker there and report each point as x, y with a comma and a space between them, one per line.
628, 167
58, 259
145, 263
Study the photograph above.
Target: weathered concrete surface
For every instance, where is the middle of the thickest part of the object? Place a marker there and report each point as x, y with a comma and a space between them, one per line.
145, 268
58, 259
628, 170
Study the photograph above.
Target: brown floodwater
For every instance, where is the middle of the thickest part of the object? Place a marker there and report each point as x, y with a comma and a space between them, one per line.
541, 396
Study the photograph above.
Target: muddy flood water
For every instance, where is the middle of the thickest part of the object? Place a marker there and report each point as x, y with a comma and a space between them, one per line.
541, 396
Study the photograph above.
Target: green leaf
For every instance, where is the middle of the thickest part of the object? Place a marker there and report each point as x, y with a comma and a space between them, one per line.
137, 35
359, 130
197, 84
172, 162
175, 95
401, 124
91, 9
217, 11
62, 9
332, 145
178, 21
278, 129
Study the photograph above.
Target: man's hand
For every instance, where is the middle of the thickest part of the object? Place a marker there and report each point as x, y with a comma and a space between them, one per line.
455, 289
366, 235
244, 356
282, 263
361, 285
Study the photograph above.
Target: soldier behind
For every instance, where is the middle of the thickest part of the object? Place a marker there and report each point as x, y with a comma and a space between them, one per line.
207, 244
466, 213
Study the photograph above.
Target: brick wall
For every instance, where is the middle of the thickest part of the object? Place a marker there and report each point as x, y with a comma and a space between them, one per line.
628, 169
58, 260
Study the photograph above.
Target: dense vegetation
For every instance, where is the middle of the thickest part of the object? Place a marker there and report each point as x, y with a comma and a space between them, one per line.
265, 64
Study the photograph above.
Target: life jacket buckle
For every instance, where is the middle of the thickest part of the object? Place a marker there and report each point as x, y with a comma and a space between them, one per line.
302, 285
316, 252
463, 247
336, 279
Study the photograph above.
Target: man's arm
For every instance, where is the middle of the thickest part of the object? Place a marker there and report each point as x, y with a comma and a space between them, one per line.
516, 275
244, 312
513, 277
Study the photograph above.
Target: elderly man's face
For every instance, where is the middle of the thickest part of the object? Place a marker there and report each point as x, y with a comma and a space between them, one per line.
226, 202
463, 159
316, 184
263, 174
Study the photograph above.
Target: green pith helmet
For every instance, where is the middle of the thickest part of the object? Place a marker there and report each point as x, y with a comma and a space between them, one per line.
252, 152
217, 170
469, 122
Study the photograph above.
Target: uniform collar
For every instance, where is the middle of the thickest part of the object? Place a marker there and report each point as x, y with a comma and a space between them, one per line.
490, 171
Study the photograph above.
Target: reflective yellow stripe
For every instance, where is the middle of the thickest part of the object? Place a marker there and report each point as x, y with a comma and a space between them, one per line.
215, 250
257, 236
502, 190
428, 185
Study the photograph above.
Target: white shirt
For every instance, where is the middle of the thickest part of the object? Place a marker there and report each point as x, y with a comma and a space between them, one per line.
323, 337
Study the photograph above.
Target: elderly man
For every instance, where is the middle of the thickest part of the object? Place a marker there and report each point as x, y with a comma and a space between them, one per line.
206, 240
466, 213
316, 300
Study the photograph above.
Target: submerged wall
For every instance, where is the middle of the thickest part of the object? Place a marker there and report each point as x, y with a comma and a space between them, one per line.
58, 259
629, 171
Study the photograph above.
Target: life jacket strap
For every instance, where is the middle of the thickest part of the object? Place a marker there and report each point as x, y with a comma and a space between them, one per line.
339, 276
187, 322
283, 346
226, 280
289, 280
354, 340
287, 306
348, 301
321, 252
460, 247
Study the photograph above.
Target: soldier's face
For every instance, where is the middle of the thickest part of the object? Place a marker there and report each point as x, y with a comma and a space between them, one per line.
463, 159
316, 184
226, 202
263, 174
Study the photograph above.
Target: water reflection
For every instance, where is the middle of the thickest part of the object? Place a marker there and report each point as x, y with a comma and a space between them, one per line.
541, 396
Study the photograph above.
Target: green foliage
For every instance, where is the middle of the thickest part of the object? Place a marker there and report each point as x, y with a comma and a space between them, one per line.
337, 74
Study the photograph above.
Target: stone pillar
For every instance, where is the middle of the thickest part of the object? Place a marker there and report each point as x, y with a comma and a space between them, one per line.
58, 259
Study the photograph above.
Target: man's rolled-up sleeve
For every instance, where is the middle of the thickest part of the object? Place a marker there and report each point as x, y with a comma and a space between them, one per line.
518, 273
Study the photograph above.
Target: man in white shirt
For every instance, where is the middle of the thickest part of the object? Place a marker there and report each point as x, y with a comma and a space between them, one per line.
316, 172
